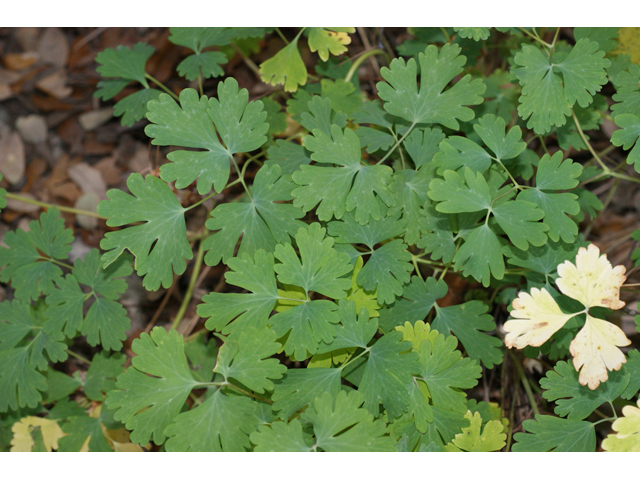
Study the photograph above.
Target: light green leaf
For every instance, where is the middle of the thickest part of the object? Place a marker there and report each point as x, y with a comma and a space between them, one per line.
285, 68
477, 33
329, 40
152, 392
153, 203
519, 220
430, 104
457, 195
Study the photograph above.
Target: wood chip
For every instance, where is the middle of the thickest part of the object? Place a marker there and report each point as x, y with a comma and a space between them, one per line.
12, 159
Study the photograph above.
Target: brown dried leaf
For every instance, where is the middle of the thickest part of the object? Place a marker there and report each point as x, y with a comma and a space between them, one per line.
20, 61
12, 159
53, 47
55, 84
32, 128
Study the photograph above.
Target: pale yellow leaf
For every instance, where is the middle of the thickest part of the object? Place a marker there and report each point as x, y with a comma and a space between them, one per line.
535, 318
627, 438
23, 441
595, 350
592, 280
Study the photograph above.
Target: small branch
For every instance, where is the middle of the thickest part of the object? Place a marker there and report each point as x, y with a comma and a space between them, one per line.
162, 86
46, 205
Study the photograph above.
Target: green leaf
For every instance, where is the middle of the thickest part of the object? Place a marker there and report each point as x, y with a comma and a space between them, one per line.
362, 297
422, 145
387, 375
106, 320
301, 386
353, 331
418, 298
544, 259
276, 118
288, 155
455, 196
626, 137
480, 256
628, 94
544, 98
133, 107
239, 123
151, 394
329, 40
243, 309
341, 425
411, 189
319, 116
3, 199
102, 373
430, 104
491, 439
343, 95
81, 429
605, 36
124, 62
468, 322
29, 259
262, 223
59, 386
437, 233
350, 187
160, 242
477, 33
198, 38
576, 401
221, 424
547, 433
245, 358
202, 355
388, 267
632, 367
318, 268
445, 372
519, 220
281, 437
491, 130
456, 152
285, 68
20, 383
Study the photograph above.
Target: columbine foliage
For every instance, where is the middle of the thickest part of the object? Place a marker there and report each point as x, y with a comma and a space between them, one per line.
338, 329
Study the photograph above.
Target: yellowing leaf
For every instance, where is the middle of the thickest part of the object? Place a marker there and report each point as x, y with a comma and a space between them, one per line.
362, 297
23, 440
595, 351
285, 68
491, 439
417, 333
629, 42
592, 280
628, 427
537, 317
325, 40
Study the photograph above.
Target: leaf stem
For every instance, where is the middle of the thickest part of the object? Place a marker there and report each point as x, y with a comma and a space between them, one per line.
586, 142
189, 293
358, 61
46, 205
525, 383
397, 143
247, 61
162, 86
351, 360
446, 35
536, 38
78, 356
252, 395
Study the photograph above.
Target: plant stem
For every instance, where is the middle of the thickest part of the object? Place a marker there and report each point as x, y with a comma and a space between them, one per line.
446, 35
536, 38
586, 142
358, 61
31, 201
252, 395
525, 383
397, 143
162, 86
78, 356
282, 36
189, 293
247, 61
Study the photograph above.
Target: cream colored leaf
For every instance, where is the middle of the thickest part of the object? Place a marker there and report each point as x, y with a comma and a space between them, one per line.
535, 318
627, 438
595, 350
23, 441
592, 280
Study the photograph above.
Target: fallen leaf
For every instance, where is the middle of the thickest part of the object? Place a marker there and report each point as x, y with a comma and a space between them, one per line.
88, 179
12, 158
32, 128
20, 61
5, 91
88, 201
55, 84
94, 118
53, 47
